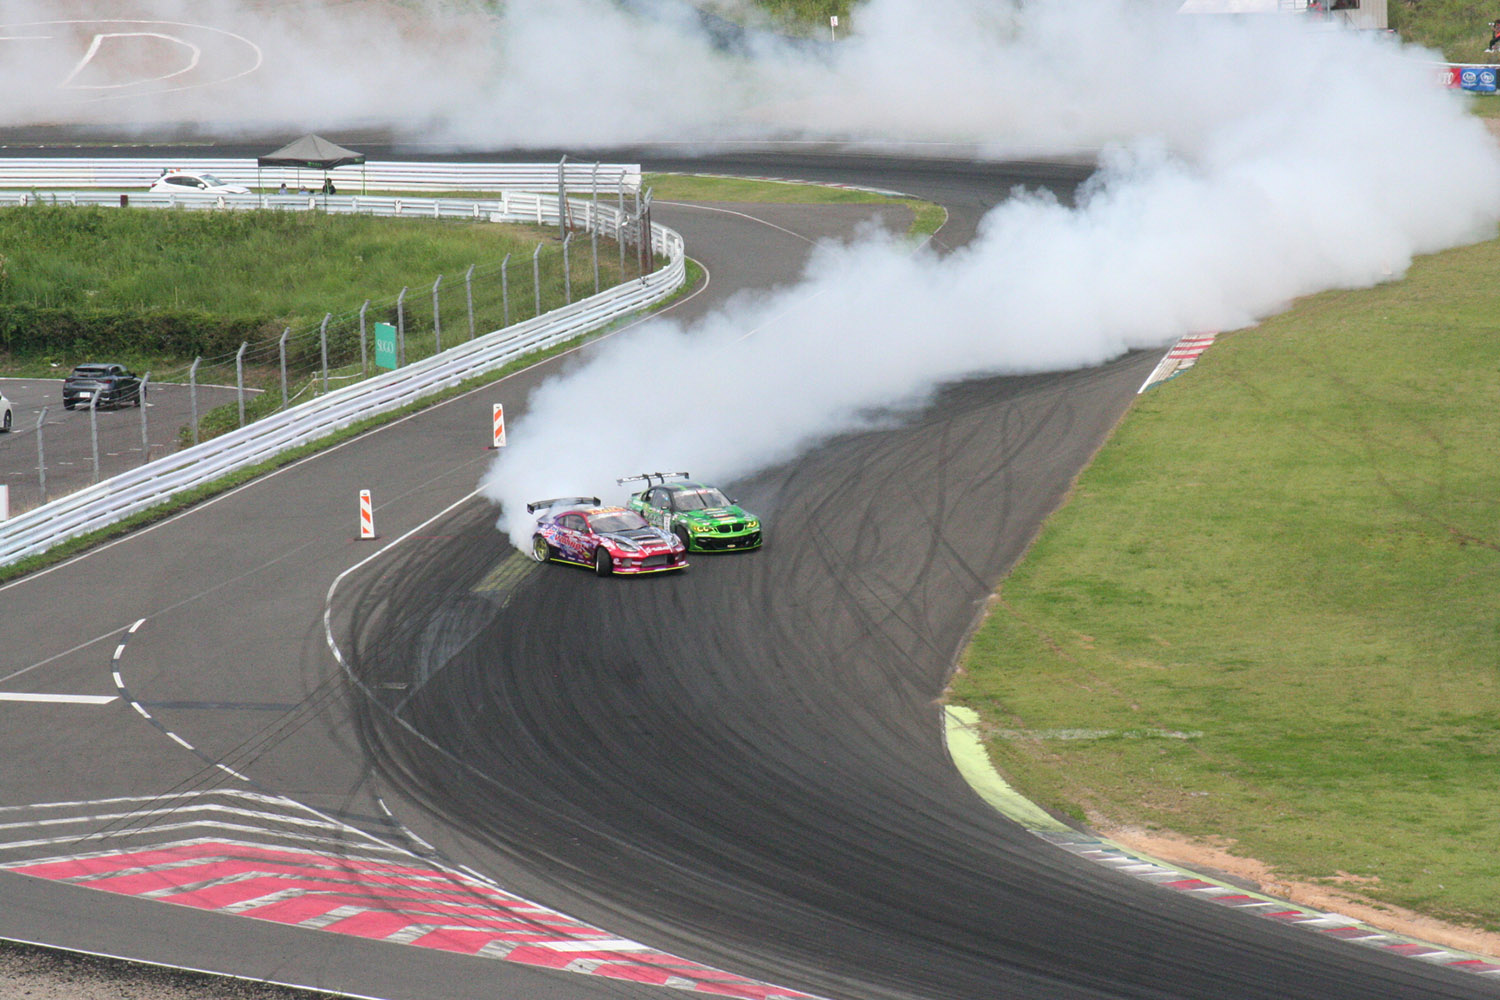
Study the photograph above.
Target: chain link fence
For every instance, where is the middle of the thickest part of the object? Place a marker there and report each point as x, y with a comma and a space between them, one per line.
590, 251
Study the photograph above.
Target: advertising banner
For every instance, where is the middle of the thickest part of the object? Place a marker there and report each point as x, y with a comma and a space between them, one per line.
1478, 78
385, 346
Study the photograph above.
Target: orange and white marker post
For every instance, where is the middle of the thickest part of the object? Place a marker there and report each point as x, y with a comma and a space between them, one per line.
366, 515
499, 428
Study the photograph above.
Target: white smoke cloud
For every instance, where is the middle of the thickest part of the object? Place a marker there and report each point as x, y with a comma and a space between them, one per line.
1246, 162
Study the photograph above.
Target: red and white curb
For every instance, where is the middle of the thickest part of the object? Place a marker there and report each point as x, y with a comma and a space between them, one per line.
966, 750
1182, 356
404, 901
1334, 925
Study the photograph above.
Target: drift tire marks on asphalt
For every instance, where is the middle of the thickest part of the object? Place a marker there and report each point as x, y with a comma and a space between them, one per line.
232, 589
745, 764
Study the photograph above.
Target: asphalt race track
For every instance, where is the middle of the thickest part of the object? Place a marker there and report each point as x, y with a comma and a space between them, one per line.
740, 767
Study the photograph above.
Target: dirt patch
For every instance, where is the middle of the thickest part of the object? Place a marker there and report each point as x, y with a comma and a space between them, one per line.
1215, 860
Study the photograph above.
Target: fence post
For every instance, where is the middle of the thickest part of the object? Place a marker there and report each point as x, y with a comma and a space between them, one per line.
401, 329
145, 438
648, 254
364, 355
41, 456
562, 199
94, 431
505, 288
567, 271
536, 278
323, 344
281, 347
620, 224
193, 394
469, 295
594, 223
239, 380
437, 319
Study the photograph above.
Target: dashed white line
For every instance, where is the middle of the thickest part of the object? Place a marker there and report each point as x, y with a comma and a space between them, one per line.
179, 739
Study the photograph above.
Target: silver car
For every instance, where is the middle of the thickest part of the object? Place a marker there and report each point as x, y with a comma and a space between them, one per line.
7, 417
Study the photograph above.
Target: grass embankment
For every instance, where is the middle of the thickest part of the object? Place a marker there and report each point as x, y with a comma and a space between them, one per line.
231, 276
1460, 29
1290, 558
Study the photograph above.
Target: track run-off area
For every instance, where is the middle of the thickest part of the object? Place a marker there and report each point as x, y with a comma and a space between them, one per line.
425, 766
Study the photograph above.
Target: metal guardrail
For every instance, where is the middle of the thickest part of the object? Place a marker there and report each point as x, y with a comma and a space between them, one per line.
578, 178
114, 499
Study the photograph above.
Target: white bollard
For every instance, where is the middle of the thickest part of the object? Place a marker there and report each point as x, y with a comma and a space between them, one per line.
366, 515
499, 429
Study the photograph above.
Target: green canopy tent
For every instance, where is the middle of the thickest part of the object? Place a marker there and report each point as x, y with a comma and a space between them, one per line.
313, 152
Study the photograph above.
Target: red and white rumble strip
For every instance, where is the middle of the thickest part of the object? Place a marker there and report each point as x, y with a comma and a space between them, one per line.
403, 901
1182, 356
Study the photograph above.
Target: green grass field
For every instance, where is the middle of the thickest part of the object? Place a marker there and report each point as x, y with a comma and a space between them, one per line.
276, 268
1274, 599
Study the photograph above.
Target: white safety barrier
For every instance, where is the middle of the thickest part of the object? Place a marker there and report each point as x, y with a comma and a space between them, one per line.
578, 178
117, 498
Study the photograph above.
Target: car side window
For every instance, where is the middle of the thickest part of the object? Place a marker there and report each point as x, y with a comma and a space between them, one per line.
572, 522
657, 497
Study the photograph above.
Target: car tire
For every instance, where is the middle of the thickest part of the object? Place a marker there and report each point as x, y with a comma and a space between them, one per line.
5, 422
137, 400
603, 564
540, 550
684, 538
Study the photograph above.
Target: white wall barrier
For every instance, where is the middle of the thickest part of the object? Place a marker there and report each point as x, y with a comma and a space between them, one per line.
112, 500
137, 174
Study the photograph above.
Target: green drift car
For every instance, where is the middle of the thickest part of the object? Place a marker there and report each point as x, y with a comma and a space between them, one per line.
701, 516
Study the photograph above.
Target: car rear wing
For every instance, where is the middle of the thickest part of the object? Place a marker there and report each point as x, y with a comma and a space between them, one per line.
537, 505
646, 478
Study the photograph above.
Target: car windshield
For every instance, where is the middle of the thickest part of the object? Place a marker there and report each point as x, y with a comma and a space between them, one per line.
624, 520
699, 499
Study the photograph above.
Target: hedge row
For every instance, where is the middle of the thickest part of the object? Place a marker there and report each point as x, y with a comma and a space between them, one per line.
183, 333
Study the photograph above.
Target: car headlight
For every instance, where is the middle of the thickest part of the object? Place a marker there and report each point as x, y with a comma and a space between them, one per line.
699, 528
752, 524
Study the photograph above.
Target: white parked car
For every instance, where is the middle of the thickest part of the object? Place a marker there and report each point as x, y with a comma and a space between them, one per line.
6, 416
177, 182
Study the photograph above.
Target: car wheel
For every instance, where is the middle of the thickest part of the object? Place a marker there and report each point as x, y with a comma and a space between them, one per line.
603, 565
138, 395
683, 537
540, 550
5, 422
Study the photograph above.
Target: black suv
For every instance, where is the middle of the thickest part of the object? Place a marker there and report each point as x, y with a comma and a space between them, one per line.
112, 384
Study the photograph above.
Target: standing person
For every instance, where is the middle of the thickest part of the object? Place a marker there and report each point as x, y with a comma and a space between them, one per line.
1494, 35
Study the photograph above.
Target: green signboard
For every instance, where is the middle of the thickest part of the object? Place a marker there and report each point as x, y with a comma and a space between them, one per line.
385, 346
